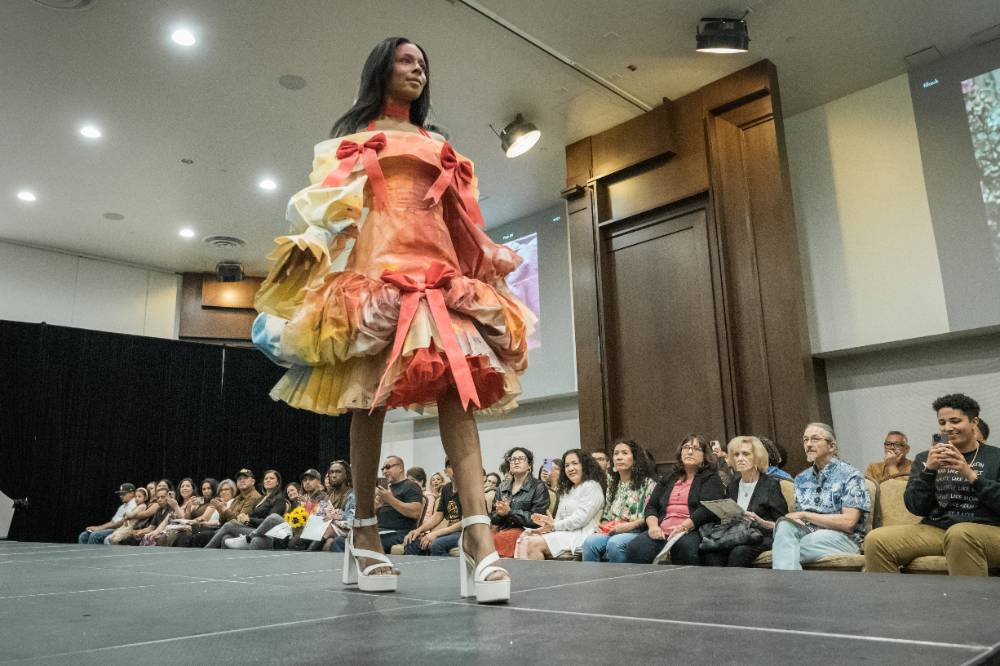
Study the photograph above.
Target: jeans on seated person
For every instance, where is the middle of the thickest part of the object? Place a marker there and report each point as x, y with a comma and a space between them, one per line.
598, 546
643, 549
93, 537
440, 548
389, 539
258, 540
227, 531
794, 545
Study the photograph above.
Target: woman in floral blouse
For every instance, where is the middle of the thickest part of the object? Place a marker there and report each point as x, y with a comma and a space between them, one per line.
630, 485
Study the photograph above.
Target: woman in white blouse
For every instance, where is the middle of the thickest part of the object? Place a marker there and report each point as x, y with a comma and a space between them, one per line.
581, 501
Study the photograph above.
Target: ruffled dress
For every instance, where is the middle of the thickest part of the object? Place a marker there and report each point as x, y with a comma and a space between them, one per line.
387, 292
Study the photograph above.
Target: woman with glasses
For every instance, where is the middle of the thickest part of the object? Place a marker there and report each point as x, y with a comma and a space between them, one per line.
675, 506
517, 498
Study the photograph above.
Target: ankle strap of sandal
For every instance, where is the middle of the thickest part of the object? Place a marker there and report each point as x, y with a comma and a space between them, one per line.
475, 520
364, 522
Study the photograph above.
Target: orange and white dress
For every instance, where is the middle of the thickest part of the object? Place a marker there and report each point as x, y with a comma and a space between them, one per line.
387, 291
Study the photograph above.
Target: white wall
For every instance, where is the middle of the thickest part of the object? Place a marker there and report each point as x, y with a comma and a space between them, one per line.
868, 250
67, 290
546, 427
873, 393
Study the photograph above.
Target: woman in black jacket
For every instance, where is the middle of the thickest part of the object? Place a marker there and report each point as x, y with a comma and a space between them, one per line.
516, 499
758, 494
675, 506
273, 501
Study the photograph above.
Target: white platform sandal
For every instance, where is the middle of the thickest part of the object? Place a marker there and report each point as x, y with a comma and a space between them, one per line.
473, 576
366, 580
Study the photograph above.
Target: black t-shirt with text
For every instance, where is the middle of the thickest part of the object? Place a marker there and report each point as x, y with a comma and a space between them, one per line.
449, 505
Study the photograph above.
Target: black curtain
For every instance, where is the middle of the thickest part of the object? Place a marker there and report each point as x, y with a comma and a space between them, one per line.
84, 411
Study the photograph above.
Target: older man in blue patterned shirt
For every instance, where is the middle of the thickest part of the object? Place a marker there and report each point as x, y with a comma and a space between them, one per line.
831, 503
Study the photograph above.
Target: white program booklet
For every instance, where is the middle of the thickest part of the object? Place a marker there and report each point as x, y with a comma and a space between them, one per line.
280, 531
726, 509
315, 528
6, 514
667, 546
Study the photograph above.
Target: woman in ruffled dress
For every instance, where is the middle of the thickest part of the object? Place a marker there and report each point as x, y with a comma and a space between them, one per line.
388, 293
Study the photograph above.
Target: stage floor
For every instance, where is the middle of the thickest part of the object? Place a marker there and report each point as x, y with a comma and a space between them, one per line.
64, 603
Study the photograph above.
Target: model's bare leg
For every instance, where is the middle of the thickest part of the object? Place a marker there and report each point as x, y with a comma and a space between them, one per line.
461, 442
366, 448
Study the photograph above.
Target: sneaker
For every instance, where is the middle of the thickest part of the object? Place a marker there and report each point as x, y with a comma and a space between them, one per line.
237, 543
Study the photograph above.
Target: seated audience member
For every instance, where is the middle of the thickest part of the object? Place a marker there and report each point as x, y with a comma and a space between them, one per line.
602, 459
419, 477
516, 500
189, 500
895, 464
234, 533
397, 507
95, 534
341, 502
675, 506
437, 482
210, 522
955, 487
439, 534
293, 491
775, 459
504, 471
161, 518
758, 494
237, 510
982, 431
151, 490
581, 501
200, 515
831, 502
131, 520
722, 463
630, 485
314, 501
491, 481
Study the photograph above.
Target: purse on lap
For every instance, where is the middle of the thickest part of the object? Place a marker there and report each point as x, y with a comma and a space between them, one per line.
726, 536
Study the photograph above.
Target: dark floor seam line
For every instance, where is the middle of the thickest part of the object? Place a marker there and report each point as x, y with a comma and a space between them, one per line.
209, 634
798, 632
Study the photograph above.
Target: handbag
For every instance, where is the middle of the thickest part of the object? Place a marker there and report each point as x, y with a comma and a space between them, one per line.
726, 536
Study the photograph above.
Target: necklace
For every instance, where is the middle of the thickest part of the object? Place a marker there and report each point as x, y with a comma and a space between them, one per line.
976, 455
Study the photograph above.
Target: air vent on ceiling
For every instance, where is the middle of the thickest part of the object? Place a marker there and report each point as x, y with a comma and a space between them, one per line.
66, 5
224, 242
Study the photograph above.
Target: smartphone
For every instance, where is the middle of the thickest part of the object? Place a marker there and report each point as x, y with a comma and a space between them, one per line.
382, 483
547, 465
938, 439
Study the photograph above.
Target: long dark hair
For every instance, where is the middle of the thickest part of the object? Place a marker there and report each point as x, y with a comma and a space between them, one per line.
591, 471
374, 89
706, 449
279, 488
213, 483
641, 469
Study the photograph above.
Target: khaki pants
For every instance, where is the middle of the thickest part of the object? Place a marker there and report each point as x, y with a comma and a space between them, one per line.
970, 548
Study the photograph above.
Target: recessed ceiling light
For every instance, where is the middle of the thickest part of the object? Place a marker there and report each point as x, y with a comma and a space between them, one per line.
186, 232
267, 184
91, 131
183, 36
27, 195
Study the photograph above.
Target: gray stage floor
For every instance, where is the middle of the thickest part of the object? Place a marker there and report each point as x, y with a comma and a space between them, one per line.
64, 603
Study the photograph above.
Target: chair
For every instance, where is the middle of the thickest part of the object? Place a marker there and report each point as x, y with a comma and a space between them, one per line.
840, 561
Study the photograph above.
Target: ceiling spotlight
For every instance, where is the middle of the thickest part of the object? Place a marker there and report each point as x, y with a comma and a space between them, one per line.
267, 184
186, 232
27, 195
723, 35
91, 132
518, 137
183, 36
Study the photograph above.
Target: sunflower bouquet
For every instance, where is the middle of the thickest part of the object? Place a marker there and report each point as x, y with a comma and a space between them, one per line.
297, 517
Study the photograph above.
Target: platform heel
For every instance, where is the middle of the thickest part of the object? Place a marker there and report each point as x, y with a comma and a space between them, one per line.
365, 579
473, 576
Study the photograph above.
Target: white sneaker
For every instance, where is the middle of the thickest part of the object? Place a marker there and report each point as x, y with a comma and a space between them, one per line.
237, 543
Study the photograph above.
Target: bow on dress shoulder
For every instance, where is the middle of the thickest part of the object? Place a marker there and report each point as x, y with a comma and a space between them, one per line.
349, 152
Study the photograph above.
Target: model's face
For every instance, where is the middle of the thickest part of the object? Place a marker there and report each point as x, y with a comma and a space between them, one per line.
622, 455
741, 457
409, 74
956, 425
573, 470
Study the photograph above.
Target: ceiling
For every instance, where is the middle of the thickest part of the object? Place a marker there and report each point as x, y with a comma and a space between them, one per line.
220, 104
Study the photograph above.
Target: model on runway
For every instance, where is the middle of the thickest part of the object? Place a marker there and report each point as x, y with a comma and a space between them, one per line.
388, 293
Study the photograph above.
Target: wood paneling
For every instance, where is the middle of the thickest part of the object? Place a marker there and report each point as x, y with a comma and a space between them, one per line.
663, 365
720, 299
208, 323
